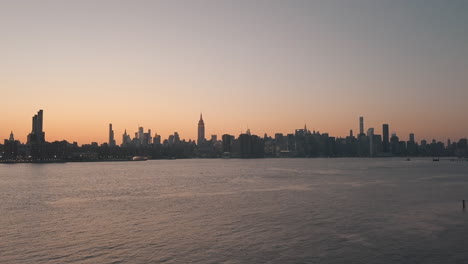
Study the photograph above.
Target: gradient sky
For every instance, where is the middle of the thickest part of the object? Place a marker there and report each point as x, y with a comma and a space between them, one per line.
269, 66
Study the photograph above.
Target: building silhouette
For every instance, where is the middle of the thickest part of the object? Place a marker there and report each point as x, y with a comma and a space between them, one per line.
300, 143
370, 136
385, 139
37, 134
157, 139
201, 131
141, 135
10, 147
111, 136
227, 143
251, 146
126, 139
361, 125
411, 146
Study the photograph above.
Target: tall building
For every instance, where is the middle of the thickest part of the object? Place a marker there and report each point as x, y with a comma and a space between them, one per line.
361, 125
111, 136
411, 137
370, 135
141, 135
201, 130
386, 139
150, 137
37, 134
157, 139
147, 138
227, 142
126, 139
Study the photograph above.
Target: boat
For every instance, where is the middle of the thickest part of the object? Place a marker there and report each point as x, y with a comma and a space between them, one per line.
435, 159
139, 158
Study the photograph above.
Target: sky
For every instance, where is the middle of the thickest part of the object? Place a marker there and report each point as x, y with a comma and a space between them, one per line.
270, 66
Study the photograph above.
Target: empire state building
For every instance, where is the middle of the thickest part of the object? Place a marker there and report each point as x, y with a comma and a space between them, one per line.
201, 131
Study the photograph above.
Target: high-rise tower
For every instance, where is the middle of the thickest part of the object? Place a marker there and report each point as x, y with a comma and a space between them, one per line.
37, 134
201, 130
141, 135
385, 140
111, 136
126, 139
361, 125
370, 135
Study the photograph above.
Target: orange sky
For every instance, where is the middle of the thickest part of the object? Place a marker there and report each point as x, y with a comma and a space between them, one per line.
270, 66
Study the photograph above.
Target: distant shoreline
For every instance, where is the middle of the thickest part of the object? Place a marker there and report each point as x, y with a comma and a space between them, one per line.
453, 159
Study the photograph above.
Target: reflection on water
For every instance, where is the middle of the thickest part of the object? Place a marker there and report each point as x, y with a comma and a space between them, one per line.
234, 211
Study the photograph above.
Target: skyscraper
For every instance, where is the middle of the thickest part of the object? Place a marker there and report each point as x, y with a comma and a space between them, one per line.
361, 125
126, 138
37, 134
411, 137
141, 136
386, 140
111, 136
157, 139
201, 130
227, 142
370, 135
176, 137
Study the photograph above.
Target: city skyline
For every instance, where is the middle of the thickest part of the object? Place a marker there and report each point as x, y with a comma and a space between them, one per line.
269, 66
301, 143
37, 134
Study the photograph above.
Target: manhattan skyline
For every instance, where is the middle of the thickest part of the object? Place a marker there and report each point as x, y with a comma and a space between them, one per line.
37, 135
269, 66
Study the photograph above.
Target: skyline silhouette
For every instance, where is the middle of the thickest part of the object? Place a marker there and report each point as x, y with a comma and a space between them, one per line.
360, 128
37, 134
301, 143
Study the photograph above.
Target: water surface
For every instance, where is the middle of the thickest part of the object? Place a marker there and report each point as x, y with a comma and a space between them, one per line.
235, 211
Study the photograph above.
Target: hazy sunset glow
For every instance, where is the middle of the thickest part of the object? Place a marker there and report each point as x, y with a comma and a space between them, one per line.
270, 66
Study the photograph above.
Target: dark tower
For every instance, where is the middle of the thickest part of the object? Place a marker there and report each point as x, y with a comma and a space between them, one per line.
361, 126
111, 136
385, 141
37, 134
39, 125
201, 130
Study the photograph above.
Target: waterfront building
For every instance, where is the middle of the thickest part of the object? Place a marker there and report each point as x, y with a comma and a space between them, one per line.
385, 139
227, 143
370, 135
37, 134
